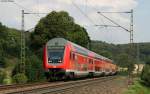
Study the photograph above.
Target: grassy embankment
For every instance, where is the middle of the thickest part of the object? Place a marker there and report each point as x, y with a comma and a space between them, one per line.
138, 88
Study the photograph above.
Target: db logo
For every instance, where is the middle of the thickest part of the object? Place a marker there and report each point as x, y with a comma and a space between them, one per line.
54, 66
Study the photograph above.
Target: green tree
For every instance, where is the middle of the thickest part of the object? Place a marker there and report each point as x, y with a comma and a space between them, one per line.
58, 24
79, 36
34, 68
145, 75
20, 78
124, 60
1, 75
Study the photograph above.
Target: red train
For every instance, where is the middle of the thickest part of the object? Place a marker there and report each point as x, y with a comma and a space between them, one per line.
64, 59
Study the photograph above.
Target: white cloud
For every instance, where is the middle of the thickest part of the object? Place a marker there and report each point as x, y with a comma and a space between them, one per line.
115, 4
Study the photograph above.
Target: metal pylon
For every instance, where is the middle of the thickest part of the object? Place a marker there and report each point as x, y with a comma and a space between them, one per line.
22, 63
131, 28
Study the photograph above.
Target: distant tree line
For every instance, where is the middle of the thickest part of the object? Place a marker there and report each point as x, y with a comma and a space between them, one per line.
122, 54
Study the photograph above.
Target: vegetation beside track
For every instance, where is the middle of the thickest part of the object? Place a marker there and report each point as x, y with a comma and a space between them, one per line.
138, 88
145, 75
142, 83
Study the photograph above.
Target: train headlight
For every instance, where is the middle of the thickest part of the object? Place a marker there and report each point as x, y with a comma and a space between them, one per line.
59, 61
49, 61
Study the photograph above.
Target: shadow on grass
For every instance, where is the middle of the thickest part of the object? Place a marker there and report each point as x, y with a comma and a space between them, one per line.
144, 84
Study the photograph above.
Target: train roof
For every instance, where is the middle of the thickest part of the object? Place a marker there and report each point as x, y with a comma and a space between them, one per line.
79, 49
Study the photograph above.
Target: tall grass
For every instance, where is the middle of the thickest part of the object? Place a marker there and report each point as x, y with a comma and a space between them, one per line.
138, 88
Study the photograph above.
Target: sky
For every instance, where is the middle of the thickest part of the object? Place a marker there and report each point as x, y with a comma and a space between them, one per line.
85, 13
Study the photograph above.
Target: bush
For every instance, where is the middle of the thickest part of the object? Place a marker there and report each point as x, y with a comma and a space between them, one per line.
7, 81
123, 73
34, 69
5, 77
145, 75
20, 78
137, 88
1, 75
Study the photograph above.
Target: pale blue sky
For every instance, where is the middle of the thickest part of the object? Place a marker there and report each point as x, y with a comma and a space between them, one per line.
142, 21
10, 15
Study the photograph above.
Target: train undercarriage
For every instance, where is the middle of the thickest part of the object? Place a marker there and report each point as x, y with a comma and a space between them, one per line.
61, 74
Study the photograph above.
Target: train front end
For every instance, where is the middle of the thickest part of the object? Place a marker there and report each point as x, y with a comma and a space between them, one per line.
54, 58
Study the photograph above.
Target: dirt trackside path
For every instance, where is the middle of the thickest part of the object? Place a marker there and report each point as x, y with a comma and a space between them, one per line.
116, 86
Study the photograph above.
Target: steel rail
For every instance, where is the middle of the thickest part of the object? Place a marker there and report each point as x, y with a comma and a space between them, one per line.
20, 85
64, 86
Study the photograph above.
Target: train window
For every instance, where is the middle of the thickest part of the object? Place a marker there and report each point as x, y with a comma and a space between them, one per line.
75, 57
90, 61
55, 55
72, 56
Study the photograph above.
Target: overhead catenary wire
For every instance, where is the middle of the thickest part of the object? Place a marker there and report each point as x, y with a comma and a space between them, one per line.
24, 8
83, 13
28, 11
102, 26
116, 24
112, 21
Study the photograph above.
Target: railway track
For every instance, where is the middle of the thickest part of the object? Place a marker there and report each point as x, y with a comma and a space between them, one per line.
48, 88
4, 87
11, 88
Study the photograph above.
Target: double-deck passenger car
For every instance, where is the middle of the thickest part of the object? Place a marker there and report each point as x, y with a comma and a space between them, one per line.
64, 59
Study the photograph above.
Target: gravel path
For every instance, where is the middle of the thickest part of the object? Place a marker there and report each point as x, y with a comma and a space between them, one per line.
116, 86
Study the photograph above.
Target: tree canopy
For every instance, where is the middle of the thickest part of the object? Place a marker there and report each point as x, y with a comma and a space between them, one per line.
58, 24
145, 75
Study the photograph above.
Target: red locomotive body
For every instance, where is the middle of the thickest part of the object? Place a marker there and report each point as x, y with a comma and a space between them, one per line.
64, 59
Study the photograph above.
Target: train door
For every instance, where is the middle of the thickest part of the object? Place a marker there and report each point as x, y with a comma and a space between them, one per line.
72, 61
97, 67
77, 62
91, 65
103, 66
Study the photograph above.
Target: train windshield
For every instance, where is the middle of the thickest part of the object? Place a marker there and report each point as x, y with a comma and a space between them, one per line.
55, 55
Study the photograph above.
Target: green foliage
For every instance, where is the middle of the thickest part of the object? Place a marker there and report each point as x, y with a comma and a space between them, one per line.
3, 32
122, 60
58, 24
1, 75
138, 88
34, 69
123, 73
147, 60
2, 61
103, 48
6, 63
9, 41
20, 78
7, 81
79, 36
121, 54
145, 75
4, 77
